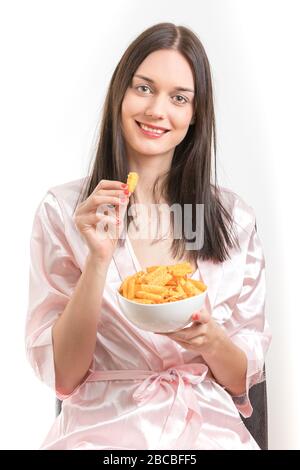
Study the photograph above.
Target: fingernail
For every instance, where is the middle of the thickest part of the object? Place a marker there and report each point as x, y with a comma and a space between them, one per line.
196, 317
124, 186
123, 199
126, 191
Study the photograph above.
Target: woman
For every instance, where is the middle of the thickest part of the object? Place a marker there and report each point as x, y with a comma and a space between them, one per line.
124, 388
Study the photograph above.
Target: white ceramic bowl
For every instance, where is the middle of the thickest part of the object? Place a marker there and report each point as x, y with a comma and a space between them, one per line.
161, 318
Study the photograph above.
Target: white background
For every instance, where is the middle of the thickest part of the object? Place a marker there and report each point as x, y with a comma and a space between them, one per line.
57, 58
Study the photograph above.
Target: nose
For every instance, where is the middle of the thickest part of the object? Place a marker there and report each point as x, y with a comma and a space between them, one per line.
156, 109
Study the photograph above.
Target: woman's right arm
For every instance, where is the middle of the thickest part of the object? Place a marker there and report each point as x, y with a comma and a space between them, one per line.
74, 333
61, 325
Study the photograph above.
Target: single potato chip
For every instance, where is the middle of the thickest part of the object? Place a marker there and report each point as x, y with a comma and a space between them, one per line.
153, 288
200, 285
180, 269
190, 289
147, 295
161, 280
125, 288
132, 180
155, 273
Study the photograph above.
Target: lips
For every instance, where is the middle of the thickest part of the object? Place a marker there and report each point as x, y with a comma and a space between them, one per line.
151, 127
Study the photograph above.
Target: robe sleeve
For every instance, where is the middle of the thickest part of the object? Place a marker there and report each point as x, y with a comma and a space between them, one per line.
52, 278
248, 327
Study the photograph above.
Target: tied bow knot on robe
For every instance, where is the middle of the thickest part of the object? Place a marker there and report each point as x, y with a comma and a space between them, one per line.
182, 375
184, 419
185, 405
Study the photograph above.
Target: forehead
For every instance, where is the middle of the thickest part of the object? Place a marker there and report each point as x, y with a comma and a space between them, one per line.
169, 67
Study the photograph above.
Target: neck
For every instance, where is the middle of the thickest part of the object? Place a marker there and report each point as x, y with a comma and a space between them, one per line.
149, 168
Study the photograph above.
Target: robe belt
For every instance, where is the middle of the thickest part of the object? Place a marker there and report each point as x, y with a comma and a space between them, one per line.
184, 418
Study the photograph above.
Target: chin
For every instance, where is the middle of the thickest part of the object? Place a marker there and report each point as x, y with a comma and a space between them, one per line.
148, 152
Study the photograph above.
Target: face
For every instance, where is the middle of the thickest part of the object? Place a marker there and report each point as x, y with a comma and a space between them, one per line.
157, 101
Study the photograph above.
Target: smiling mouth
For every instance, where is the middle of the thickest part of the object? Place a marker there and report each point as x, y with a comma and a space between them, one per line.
164, 132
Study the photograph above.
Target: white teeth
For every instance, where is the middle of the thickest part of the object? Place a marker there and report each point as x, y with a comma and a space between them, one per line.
150, 129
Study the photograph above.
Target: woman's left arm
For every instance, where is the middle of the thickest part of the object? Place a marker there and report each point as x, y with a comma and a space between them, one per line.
227, 362
235, 351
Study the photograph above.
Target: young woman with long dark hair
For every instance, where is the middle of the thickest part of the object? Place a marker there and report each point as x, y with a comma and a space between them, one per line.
121, 387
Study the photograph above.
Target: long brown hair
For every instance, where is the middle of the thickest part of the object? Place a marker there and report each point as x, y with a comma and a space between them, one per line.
190, 178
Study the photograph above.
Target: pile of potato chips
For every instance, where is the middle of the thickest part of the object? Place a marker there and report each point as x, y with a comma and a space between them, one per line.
161, 284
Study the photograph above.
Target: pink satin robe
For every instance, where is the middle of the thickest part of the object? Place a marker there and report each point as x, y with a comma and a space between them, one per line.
144, 391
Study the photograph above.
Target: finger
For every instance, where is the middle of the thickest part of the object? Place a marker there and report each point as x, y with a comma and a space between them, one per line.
186, 336
112, 192
121, 208
188, 345
201, 316
96, 201
190, 332
109, 184
84, 223
108, 228
106, 219
108, 209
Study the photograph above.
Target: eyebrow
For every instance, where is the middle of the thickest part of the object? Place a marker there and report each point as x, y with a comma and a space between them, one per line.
177, 88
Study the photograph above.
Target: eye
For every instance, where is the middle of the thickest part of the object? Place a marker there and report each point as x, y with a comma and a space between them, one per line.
183, 100
142, 86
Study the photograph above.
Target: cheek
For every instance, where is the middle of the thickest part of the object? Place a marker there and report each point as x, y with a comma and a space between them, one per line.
182, 122
124, 107
125, 116
187, 118
130, 106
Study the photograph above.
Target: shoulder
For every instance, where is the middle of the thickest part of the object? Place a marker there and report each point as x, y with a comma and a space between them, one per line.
53, 224
68, 192
65, 196
57, 206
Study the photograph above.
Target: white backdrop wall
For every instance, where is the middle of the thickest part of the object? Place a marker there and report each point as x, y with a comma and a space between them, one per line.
57, 58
